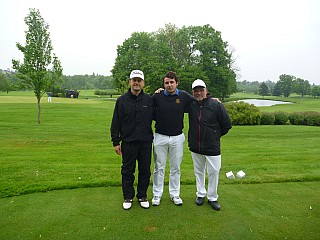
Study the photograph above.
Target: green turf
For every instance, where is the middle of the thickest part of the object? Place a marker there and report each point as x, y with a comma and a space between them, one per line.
72, 149
248, 211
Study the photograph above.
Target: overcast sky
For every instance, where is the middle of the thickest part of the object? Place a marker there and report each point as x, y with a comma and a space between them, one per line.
269, 37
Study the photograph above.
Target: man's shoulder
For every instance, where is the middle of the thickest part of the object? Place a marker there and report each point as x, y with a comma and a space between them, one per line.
213, 103
123, 96
183, 92
147, 96
158, 95
212, 100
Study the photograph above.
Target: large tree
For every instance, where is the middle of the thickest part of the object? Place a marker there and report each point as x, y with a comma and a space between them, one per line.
213, 59
133, 54
193, 52
40, 69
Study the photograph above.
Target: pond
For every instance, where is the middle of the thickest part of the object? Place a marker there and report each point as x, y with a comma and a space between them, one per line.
263, 103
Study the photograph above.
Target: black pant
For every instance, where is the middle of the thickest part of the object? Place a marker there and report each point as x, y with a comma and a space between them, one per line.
132, 151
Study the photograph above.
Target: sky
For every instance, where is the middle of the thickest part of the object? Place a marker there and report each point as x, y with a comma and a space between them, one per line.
268, 37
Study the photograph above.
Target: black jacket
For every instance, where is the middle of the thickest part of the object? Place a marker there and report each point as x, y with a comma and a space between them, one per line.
132, 118
208, 121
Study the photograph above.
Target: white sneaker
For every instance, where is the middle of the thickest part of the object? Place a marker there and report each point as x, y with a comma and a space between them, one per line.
156, 201
177, 200
144, 203
127, 204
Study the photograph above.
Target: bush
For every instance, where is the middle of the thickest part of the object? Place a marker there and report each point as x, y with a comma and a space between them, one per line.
305, 118
242, 113
106, 92
297, 118
281, 118
267, 118
312, 118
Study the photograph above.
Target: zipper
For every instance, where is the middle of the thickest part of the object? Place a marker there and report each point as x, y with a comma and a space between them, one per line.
199, 126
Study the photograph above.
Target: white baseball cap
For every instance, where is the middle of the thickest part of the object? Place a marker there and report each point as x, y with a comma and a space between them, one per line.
198, 83
137, 74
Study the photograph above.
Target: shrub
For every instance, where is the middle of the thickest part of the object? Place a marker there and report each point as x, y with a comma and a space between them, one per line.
281, 118
242, 113
312, 118
106, 92
267, 118
297, 118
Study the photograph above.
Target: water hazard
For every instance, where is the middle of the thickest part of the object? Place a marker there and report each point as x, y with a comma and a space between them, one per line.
264, 103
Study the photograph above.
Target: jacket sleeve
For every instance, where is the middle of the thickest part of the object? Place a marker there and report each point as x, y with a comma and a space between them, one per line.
190, 99
224, 119
154, 111
115, 126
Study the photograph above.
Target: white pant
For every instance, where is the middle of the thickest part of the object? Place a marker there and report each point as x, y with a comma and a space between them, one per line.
213, 165
163, 145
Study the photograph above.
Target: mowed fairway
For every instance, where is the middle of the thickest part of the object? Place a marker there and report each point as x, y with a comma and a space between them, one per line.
71, 148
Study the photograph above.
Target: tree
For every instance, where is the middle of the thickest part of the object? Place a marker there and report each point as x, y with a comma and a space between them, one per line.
135, 53
40, 69
213, 58
315, 91
263, 89
193, 52
286, 82
4, 83
270, 85
301, 86
277, 90
249, 87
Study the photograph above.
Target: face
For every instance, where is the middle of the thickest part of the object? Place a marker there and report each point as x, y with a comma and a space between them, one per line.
170, 85
199, 93
136, 84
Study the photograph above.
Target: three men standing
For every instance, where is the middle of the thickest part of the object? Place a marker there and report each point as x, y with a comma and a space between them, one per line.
131, 125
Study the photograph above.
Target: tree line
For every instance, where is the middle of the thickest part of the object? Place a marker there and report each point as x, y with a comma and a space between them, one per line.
286, 85
9, 81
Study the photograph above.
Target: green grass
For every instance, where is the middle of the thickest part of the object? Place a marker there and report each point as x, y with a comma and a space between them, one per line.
72, 149
249, 211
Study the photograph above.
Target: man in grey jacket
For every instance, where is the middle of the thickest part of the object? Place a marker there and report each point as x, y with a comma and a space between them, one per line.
208, 121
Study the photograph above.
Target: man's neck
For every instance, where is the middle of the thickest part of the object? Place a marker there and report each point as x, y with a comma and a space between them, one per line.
135, 92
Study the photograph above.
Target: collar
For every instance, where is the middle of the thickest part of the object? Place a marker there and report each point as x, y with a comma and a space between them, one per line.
133, 95
177, 92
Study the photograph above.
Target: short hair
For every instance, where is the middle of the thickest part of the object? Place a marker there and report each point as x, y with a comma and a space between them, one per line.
171, 75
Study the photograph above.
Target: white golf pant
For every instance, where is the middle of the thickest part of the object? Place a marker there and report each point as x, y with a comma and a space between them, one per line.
213, 165
162, 146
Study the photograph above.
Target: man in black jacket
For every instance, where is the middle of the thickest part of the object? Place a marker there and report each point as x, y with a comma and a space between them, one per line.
131, 125
208, 121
